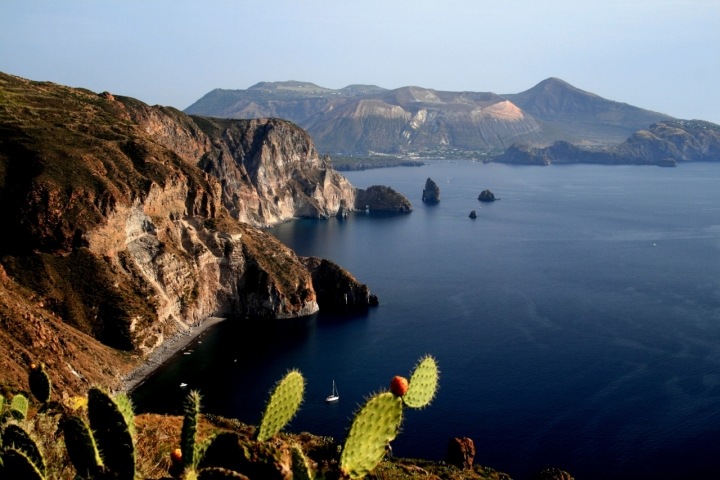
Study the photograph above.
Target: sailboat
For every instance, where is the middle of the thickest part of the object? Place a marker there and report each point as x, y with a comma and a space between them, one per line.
334, 397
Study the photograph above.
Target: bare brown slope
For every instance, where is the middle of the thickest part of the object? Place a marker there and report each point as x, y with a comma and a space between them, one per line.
583, 114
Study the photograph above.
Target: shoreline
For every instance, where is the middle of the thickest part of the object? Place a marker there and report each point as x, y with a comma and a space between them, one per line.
165, 352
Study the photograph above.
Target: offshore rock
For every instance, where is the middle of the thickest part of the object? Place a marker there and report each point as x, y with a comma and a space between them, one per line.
473, 214
486, 196
460, 452
431, 192
335, 286
382, 198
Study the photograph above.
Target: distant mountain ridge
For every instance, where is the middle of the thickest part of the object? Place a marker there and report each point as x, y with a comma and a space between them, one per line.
365, 118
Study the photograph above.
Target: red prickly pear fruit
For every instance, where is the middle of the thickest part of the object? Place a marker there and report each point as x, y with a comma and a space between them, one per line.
399, 386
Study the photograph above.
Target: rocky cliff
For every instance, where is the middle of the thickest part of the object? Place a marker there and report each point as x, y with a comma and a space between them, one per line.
119, 240
663, 144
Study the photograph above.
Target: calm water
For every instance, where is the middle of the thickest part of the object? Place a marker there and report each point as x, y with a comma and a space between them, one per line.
576, 321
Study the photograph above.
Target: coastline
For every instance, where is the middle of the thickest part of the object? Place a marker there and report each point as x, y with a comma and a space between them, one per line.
164, 352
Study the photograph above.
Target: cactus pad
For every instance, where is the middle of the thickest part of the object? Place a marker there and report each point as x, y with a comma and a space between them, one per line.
300, 468
18, 465
81, 446
376, 424
423, 384
40, 384
282, 405
112, 433
188, 437
17, 438
19, 407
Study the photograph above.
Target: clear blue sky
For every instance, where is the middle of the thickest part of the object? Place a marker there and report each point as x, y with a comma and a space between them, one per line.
662, 55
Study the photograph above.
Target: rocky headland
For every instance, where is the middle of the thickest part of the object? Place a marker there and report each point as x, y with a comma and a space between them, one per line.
431, 192
131, 223
664, 144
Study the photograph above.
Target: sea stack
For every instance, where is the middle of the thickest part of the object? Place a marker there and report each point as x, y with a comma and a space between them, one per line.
431, 193
486, 196
473, 214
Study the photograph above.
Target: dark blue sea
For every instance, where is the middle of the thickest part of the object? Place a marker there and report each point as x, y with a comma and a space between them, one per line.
576, 321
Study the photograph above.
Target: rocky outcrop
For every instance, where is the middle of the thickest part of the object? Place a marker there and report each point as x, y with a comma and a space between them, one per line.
336, 287
486, 196
461, 453
431, 192
664, 144
473, 214
380, 198
553, 474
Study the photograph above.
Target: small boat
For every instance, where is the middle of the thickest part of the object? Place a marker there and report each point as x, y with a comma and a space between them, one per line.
334, 397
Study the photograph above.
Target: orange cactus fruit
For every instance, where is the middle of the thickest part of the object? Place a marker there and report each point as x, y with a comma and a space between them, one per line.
399, 386
33, 366
176, 456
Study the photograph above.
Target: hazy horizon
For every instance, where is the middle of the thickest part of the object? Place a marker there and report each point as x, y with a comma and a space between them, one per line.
662, 56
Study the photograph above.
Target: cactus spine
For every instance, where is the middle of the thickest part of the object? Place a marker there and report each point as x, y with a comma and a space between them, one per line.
282, 405
113, 425
375, 424
81, 447
423, 384
188, 439
19, 407
218, 473
18, 465
40, 384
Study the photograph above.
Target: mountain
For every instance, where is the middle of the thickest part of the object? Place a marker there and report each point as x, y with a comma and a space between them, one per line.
364, 118
123, 224
583, 114
664, 144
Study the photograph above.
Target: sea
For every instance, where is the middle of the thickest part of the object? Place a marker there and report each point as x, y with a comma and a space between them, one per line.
575, 321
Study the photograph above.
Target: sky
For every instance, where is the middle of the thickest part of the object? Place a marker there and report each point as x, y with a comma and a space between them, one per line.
662, 55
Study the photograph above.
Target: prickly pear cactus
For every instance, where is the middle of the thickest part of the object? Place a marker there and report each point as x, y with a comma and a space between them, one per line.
300, 468
19, 407
17, 438
282, 405
40, 384
16, 464
423, 384
81, 447
376, 424
188, 437
112, 431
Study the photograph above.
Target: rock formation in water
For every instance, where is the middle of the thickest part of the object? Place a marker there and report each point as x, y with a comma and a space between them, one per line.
486, 196
380, 198
664, 144
461, 453
335, 286
473, 214
431, 192
120, 240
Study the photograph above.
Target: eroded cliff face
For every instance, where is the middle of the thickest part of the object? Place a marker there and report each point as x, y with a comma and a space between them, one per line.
271, 171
